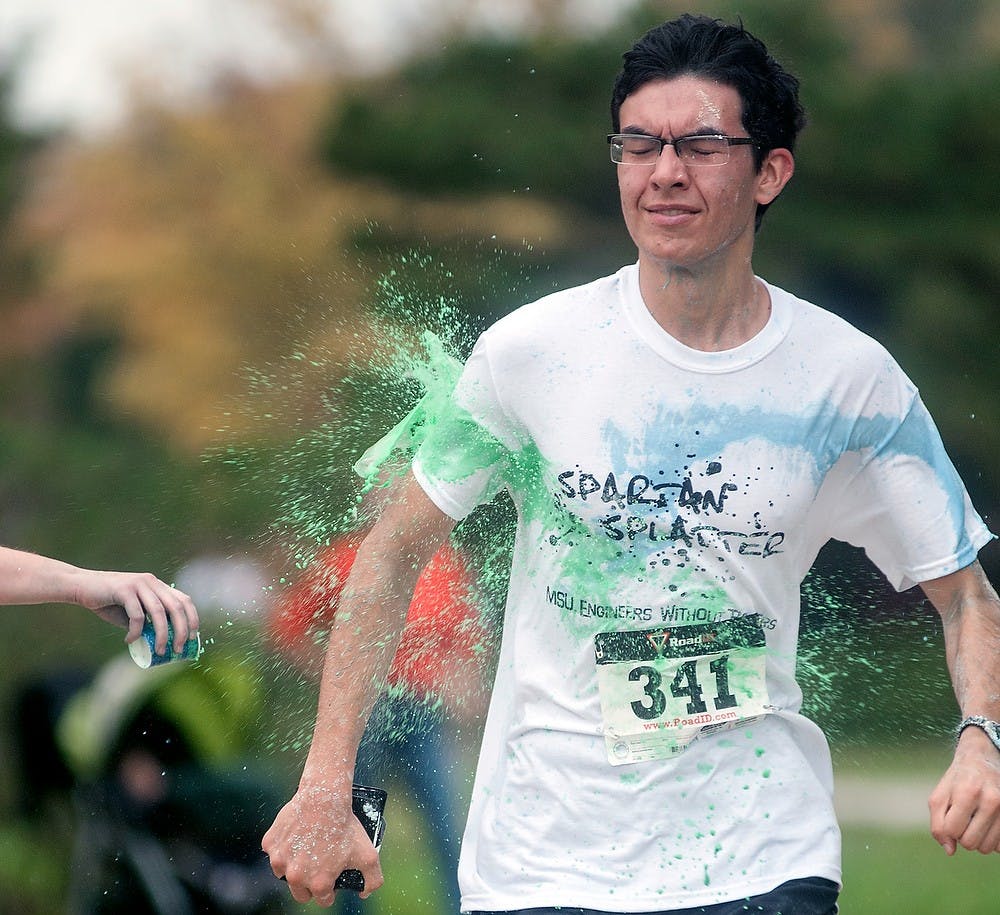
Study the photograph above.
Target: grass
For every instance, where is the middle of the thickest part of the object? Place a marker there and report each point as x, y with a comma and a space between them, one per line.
906, 871
32, 870
886, 873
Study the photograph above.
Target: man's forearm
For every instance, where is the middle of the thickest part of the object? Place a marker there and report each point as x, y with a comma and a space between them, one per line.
970, 614
367, 629
363, 641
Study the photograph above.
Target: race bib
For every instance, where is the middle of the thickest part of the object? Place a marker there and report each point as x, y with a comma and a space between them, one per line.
662, 688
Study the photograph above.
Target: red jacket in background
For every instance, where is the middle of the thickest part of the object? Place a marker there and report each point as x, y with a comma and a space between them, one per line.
443, 630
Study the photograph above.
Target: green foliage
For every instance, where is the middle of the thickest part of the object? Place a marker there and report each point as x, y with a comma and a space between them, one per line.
109, 498
425, 282
17, 146
502, 116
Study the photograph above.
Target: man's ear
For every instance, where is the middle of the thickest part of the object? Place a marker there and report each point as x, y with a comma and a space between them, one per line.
775, 173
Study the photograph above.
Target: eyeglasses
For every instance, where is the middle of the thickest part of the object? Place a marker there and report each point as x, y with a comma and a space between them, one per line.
641, 149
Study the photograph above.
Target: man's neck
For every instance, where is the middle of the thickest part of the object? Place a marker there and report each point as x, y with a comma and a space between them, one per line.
704, 312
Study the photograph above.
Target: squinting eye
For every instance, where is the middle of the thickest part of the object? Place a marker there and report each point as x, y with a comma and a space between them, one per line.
703, 147
639, 147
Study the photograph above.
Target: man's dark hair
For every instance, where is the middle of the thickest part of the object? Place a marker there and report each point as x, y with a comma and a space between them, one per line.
726, 54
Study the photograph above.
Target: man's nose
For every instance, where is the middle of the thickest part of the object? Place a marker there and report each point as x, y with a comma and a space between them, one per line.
669, 168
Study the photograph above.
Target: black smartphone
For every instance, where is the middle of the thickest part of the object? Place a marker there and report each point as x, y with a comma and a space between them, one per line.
368, 805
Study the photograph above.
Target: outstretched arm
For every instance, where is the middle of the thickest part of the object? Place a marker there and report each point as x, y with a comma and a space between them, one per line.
121, 598
965, 806
315, 835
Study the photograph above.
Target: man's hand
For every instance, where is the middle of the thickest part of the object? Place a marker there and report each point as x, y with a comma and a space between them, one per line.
126, 598
314, 838
965, 806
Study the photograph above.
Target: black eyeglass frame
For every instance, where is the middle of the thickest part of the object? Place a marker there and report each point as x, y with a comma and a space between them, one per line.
682, 142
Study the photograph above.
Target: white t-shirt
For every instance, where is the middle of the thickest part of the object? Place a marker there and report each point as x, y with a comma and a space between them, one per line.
643, 749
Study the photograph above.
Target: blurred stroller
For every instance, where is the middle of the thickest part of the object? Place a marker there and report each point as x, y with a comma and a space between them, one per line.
167, 820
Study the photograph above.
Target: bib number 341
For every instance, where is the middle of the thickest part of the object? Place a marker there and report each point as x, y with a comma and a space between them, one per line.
684, 683
660, 689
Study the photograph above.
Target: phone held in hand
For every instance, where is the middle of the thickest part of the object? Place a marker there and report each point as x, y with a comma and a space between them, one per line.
368, 805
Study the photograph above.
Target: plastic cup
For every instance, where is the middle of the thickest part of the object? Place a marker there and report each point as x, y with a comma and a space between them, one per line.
144, 653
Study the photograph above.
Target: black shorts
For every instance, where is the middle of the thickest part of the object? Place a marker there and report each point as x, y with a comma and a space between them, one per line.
807, 896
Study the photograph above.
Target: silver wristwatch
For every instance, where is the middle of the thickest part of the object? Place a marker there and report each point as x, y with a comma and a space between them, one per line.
992, 728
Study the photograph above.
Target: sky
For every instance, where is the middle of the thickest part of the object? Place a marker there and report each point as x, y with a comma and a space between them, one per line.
75, 63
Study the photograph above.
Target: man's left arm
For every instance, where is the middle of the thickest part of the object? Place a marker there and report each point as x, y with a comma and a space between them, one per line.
965, 805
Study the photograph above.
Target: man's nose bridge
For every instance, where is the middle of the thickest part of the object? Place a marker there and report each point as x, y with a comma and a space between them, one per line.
675, 164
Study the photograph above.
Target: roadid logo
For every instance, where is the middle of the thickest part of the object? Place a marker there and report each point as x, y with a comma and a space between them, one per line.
663, 639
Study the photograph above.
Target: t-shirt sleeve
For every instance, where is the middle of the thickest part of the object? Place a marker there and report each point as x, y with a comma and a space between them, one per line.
903, 502
464, 458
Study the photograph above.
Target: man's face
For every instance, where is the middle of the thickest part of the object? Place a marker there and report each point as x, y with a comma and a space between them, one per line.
684, 216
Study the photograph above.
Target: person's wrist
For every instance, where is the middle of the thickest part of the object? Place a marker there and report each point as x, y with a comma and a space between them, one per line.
983, 725
334, 779
74, 585
323, 794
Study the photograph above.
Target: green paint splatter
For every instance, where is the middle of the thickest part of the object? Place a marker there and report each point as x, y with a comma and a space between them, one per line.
863, 670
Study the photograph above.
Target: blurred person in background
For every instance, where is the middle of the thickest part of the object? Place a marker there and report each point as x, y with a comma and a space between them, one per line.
679, 439
124, 599
435, 697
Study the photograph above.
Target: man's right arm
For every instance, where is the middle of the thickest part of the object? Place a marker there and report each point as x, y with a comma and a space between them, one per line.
315, 836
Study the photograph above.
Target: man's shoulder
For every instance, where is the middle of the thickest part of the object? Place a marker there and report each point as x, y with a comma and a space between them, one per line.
823, 328
830, 353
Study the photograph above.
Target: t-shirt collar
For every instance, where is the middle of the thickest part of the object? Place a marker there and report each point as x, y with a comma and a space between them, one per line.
683, 356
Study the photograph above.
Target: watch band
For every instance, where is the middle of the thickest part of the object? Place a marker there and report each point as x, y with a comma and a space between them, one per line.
990, 728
